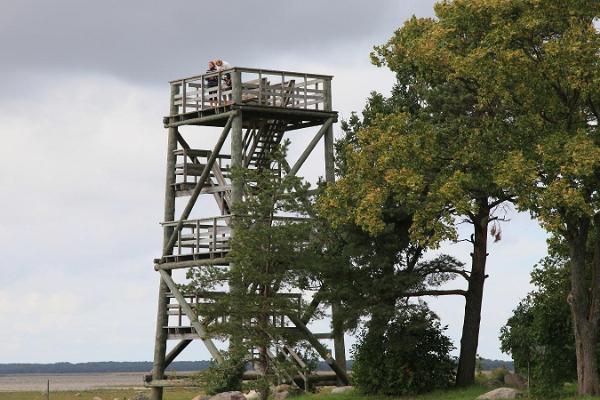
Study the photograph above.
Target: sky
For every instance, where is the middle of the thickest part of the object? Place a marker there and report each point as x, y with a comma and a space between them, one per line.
83, 89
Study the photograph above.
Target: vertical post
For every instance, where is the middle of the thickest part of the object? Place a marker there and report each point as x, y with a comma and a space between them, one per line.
197, 236
339, 345
48, 390
237, 184
162, 317
183, 96
236, 137
202, 92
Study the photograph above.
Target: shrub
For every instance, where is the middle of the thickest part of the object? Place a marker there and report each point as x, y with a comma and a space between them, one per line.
224, 377
409, 355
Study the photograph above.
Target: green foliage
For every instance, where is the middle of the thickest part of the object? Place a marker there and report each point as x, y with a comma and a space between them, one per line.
273, 256
409, 355
223, 377
539, 334
493, 378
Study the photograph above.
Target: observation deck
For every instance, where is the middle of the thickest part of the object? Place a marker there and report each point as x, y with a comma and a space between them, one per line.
295, 99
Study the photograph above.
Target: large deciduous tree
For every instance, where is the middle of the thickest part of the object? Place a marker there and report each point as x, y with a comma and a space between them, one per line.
536, 63
505, 95
433, 152
546, 68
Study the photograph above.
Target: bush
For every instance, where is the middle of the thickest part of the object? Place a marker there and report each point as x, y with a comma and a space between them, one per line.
223, 377
409, 355
493, 378
539, 334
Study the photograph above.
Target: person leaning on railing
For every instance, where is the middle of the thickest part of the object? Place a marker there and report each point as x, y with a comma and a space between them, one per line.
212, 81
222, 66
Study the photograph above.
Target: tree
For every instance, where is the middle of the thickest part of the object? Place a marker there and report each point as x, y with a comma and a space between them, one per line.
539, 334
374, 272
272, 258
409, 356
431, 150
534, 66
538, 60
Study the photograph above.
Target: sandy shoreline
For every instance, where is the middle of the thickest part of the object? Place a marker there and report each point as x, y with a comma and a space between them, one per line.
63, 382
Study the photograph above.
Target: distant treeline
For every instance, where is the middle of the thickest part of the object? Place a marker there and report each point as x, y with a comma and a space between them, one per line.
146, 366
488, 365
95, 367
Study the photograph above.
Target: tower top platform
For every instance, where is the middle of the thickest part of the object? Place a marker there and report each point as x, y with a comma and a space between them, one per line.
300, 99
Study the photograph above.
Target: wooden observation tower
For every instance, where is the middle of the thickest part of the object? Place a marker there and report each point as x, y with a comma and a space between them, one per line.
255, 108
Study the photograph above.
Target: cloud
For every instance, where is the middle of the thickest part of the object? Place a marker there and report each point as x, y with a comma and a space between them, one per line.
153, 41
83, 152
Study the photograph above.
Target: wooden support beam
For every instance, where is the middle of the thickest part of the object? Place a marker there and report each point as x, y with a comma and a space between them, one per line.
189, 312
312, 307
337, 324
206, 118
162, 318
288, 112
201, 181
190, 264
162, 383
324, 128
175, 351
340, 373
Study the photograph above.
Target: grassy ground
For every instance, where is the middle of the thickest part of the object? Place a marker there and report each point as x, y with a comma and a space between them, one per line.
105, 394
186, 394
470, 393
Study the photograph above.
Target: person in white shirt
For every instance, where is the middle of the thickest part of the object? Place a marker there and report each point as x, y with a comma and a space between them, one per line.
222, 66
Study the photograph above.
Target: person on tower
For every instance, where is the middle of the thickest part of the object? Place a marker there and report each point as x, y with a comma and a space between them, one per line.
211, 82
222, 66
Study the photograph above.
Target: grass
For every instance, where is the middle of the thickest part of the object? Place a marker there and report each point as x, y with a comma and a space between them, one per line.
187, 394
469, 393
104, 394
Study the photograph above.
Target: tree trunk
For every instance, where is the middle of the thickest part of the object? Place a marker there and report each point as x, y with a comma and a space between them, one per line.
263, 361
465, 374
583, 301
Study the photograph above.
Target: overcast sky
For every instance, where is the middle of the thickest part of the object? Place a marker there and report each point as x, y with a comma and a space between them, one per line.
83, 88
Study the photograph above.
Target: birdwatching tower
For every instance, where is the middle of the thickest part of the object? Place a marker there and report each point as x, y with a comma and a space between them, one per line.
256, 109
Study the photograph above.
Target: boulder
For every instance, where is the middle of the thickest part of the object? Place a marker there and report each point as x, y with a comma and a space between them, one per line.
281, 395
140, 396
96, 398
341, 389
325, 389
252, 395
515, 381
500, 393
281, 388
235, 395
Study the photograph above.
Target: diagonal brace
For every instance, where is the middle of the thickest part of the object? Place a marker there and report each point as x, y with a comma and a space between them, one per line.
189, 312
175, 351
312, 307
311, 146
205, 174
216, 169
312, 339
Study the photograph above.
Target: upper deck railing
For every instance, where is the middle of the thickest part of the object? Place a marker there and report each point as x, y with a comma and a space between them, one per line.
250, 86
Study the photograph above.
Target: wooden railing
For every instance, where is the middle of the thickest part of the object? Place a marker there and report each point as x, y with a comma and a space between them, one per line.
257, 87
209, 237
206, 237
